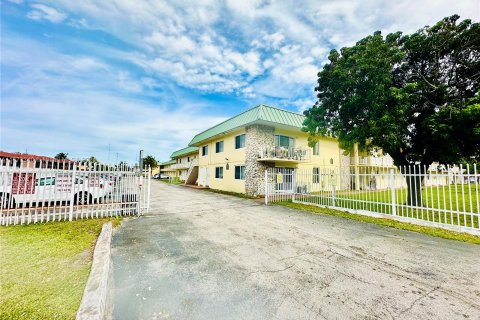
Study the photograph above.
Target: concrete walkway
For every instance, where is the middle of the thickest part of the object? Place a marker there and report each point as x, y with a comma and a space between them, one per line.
200, 255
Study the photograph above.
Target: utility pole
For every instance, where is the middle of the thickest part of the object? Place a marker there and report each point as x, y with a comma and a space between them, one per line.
140, 162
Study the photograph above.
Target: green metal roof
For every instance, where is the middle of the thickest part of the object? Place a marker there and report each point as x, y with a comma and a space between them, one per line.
168, 162
184, 151
258, 113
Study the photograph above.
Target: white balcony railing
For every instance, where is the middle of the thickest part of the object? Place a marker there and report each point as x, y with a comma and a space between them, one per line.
282, 153
373, 161
185, 165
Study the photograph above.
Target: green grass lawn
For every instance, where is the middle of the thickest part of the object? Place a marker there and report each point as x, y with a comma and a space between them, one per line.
44, 268
437, 201
436, 232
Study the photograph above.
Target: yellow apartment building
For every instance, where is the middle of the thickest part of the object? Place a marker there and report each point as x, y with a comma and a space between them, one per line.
167, 168
185, 159
233, 155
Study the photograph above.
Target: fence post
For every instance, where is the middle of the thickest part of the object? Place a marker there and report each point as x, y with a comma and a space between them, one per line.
294, 185
149, 187
333, 195
392, 191
266, 187
72, 193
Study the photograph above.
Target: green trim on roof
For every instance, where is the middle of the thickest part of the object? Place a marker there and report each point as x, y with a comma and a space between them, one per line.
259, 113
183, 152
166, 163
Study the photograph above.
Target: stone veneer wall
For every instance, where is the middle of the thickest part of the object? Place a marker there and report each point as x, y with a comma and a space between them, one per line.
257, 137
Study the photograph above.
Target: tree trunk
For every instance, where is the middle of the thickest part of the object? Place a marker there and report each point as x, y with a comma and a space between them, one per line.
414, 176
414, 186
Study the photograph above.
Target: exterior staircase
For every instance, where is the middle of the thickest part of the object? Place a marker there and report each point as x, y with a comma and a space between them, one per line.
192, 173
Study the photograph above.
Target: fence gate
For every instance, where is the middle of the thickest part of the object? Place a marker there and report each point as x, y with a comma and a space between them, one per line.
34, 191
441, 196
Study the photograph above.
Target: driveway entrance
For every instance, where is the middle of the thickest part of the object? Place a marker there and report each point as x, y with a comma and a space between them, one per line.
200, 255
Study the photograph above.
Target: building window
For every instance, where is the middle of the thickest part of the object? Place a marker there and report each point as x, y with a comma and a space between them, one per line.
316, 149
240, 172
284, 141
204, 150
188, 159
219, 172
219, 147
240, 141
316, 175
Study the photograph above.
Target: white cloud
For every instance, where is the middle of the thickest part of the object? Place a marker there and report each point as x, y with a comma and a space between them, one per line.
44, 12
86, 63
213, 46
86, 104
260, 51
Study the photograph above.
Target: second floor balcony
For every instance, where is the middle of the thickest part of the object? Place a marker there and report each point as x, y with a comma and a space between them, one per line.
291, 154
384, 161
185, 165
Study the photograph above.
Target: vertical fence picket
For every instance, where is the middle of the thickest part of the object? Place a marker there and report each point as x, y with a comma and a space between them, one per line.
463, 198
477, 196
470, 195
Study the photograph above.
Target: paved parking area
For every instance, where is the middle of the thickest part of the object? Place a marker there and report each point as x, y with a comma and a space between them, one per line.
200, 255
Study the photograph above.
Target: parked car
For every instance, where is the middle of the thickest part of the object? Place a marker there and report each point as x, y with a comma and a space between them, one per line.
30, 188
159, 176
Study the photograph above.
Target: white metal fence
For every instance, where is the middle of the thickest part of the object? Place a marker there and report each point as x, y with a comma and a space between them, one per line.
441, 196
34, 191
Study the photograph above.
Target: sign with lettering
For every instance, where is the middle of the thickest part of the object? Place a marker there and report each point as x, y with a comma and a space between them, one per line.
23, 183
63, 182
94, 180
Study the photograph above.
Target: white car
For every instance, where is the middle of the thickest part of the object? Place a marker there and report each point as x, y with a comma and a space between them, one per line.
28, 188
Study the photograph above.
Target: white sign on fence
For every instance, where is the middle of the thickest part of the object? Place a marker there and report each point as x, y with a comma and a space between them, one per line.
63, 182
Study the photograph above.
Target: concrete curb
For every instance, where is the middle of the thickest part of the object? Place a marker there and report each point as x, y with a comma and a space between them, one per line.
94, 300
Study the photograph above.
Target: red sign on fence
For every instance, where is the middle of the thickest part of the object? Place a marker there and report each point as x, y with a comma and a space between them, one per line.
23, 183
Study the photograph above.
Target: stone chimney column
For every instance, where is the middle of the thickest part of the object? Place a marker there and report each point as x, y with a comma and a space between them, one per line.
257, 137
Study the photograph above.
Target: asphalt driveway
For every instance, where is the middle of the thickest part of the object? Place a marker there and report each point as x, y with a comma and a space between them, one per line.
200, 255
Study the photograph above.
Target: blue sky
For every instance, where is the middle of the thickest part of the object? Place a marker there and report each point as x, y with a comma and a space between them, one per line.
85, 77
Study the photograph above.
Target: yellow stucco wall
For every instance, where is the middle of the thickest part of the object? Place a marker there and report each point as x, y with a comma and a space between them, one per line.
327, 160
155, 170
329, 151
236, 157
184, 160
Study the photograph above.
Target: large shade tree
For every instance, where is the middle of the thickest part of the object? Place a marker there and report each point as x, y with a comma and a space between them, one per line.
415, 96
